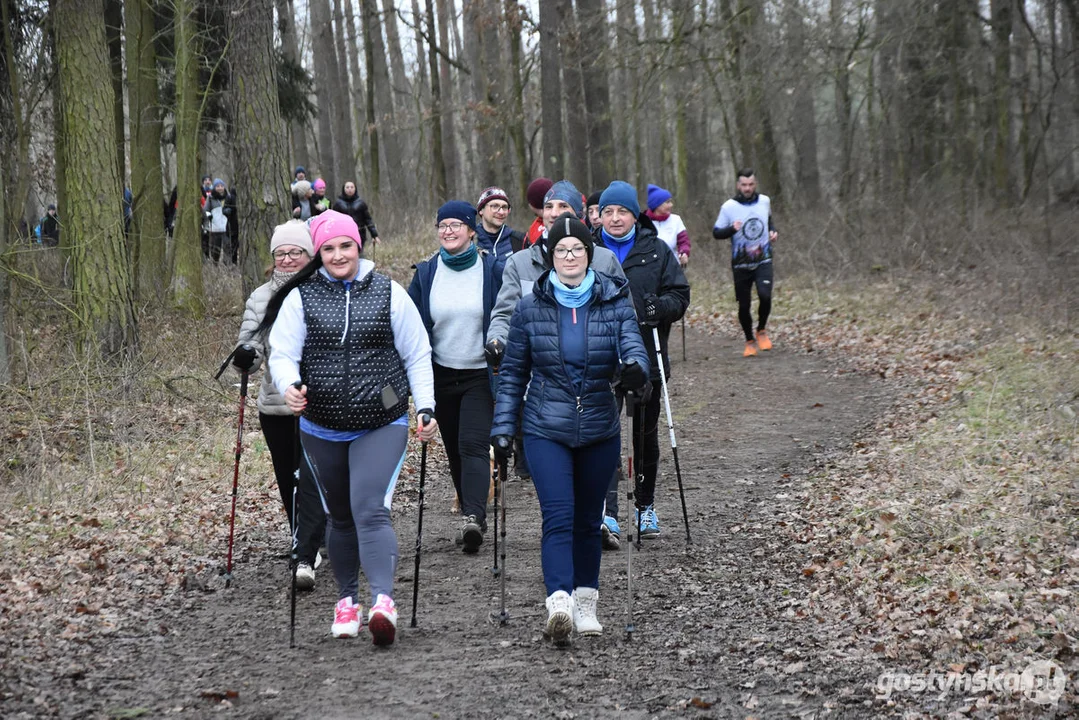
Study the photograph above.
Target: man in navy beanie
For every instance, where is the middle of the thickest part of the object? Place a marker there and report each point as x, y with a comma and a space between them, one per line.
660, 295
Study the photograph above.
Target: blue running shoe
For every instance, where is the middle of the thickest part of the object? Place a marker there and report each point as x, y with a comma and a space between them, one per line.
611, 533
649, 522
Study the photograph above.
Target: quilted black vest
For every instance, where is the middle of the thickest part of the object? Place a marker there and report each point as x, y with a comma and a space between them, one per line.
355, 378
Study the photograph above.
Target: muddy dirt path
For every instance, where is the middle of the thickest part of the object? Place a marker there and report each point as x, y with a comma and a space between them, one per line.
718, 632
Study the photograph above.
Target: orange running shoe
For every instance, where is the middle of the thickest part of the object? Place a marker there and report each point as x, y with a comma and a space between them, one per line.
763, 341
751, 349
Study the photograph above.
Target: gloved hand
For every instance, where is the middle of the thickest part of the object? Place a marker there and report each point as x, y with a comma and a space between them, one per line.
639, 395
494, 352
244, 358
633, 376
503, 445
651, 310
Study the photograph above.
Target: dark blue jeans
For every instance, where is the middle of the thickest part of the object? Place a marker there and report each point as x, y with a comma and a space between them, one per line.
571, 484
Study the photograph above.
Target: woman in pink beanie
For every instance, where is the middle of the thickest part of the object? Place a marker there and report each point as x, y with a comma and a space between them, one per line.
348, 348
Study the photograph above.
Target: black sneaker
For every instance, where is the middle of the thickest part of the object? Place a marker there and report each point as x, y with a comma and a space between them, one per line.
471, 534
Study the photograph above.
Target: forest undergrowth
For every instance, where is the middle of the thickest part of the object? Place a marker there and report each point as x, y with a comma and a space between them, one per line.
950, 532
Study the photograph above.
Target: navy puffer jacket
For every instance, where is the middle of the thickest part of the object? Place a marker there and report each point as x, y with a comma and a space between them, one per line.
556, 408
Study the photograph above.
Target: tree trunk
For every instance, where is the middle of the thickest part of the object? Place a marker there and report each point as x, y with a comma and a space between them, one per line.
1001, 11
186, 287
374, 174
323, 60
551, 89
260, 145
448, 105
359, 97
342, 130
102, 293
517, 119
439, 175
596, 90
399, 83
803, 118
843, 100
16, 199
576, 162
286, 26
147, 202
114, 14
628, 43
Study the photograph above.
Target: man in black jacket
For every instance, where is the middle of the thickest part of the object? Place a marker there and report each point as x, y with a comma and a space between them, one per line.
660, 295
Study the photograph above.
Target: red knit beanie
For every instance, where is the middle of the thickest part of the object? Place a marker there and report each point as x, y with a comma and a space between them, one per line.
537, 190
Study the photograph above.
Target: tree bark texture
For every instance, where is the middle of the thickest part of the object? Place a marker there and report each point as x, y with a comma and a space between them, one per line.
102, 292
342, 129
186, 286
359, 99
114, 14
260, 146
323, 60
576, 159
147, 239
440, 174
551, 89
286, 28
596, 59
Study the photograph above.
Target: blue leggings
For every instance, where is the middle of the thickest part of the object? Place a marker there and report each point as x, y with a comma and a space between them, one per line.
571, 484
356, 480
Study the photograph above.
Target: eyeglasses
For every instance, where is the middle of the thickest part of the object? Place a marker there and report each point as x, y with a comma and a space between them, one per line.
563, 252
294, 254
450, 227
499, 207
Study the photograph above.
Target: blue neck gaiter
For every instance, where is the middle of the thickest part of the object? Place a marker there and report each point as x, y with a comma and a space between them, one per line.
620, 246
461, 261
573, 297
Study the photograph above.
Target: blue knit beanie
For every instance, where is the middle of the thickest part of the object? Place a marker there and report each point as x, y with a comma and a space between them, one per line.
458, 210
565, 191
219, 181
620, 193
656, 196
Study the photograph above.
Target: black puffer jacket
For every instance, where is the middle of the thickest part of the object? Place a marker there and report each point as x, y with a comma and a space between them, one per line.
357, 209
556, 408
652, 269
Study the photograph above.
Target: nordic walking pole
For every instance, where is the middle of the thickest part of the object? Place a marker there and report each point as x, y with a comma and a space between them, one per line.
294, 556
670, 428
424, 420
503, 615
236, 474
631, 501
494, 570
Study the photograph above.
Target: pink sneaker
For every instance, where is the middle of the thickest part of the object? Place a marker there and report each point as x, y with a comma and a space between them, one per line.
382, 620
346, 619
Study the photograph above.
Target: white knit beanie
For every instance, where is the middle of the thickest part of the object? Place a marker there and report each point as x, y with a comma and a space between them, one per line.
293, 232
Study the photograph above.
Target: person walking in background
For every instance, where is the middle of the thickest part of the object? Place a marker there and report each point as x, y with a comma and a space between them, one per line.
569, 341
493, 233
669, 226
356, 344
591, 209
318, 195
455, 291
299, 174
291, 249
217, 212
747, 219
351, 204
50, 227
536, 192
304, 207
661, 295
521, 272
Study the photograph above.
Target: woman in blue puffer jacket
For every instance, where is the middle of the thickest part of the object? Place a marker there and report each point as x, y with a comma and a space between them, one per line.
569, 341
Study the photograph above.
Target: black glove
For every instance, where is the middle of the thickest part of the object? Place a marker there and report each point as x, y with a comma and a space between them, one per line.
639, 395
651, 310
494, 351
503, 445
633, 377
244, 358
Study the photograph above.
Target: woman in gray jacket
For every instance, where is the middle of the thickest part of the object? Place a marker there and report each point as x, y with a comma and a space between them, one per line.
291, 249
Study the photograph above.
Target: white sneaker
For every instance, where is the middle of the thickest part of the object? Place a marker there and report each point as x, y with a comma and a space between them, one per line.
305, 577
584, 611
382, 620
559, 616
346, 619
318, 559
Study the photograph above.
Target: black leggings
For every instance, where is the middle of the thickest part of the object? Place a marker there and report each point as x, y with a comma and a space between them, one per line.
744, 279
280, 433
464, 409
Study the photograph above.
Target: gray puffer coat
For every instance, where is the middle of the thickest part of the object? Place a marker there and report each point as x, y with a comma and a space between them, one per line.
270, 401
